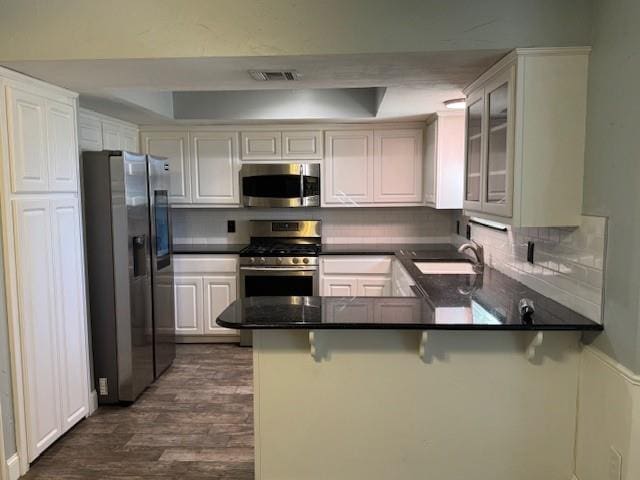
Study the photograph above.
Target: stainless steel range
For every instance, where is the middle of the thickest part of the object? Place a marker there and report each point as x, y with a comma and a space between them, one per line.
281, 260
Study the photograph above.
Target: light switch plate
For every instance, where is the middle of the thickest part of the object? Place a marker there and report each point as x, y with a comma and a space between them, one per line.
615, 464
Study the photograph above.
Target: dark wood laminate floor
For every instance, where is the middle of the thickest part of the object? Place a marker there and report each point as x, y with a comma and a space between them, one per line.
195, 422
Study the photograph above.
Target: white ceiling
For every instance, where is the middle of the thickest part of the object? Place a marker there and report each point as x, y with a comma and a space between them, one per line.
137, 89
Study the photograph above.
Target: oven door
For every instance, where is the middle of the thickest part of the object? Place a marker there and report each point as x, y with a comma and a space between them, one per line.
278, 281
281, 185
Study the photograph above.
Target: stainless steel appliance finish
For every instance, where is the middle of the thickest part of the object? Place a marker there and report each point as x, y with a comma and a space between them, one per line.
281, 185
122, 256
281, 260
164, 344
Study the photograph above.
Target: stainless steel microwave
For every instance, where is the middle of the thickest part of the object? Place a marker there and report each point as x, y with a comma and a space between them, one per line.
281, 185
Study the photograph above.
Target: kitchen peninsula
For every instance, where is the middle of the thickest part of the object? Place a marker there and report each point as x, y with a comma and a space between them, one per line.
336, 377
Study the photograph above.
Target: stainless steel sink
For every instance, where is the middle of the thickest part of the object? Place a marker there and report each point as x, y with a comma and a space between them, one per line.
445, 268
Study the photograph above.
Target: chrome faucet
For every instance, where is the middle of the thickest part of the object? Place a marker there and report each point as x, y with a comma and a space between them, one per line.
478, 251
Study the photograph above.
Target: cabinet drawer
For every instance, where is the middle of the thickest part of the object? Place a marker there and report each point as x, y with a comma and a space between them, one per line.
364, 264
205, 264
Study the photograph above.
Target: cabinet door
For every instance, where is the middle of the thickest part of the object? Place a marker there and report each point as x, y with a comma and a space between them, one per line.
339, 286
215, 168
374, 287
219, 293
302, 145
397, 310
188, 305
398, 166
70, 310
348, 167
261, 145
38, 329
129, 139
474, 150
175, 147
498, 173
111, 136
430, 164
89, 132
27, 141
62, 147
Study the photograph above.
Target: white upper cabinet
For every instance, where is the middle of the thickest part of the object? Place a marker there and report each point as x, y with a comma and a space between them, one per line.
27, 141
175, 147
444, 160
98, 132
302, 145
261, 145
348, 167
398, 166
62, 147
129, 139
89, 132
111, 136
525, 138
215, 172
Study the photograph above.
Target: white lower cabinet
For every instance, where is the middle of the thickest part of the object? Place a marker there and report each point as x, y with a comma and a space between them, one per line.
219, 292
355, 276
188, 304
52, 317
204, 286
374, 287
339, 286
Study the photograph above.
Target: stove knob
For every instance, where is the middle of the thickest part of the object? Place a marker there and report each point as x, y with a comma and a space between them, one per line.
296, 260
305, 260
279, 261
252, 260
263, 260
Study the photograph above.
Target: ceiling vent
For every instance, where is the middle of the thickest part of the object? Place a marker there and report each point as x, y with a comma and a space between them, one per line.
274, 76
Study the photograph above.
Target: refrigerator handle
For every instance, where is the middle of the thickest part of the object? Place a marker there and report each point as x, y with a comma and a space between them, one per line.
139, 255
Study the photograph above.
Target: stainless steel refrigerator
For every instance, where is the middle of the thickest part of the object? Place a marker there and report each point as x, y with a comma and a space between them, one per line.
130, 271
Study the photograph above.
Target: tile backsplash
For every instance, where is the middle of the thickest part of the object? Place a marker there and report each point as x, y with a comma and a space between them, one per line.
568, 262
339, 225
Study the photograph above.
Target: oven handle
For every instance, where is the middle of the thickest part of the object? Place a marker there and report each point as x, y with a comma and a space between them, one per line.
280, 269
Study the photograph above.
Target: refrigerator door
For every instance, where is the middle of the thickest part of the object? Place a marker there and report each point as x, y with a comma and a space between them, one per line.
132, 273
161, 264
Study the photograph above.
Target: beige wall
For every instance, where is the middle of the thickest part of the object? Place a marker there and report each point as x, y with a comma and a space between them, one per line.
612, 169
75, 29
608, 417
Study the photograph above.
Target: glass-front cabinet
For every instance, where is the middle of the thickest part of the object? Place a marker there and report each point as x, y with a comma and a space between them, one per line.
489, 146
474, 148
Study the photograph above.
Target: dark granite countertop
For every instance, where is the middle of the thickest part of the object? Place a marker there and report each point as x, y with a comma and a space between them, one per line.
446, 302
383, 313
424, 251
207, 248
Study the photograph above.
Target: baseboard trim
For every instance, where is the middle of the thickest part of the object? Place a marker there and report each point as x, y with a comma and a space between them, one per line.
208, 339
618, 368
13, 467
93, 402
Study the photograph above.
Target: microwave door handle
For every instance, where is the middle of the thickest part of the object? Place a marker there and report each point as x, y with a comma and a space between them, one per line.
301, 185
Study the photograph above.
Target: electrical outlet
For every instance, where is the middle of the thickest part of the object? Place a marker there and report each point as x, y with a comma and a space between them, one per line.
531, 247
103, 387
231, 226
615, 464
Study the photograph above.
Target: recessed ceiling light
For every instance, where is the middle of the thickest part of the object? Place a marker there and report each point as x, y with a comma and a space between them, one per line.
456, 104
